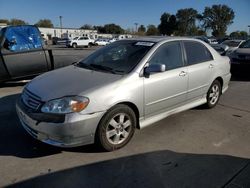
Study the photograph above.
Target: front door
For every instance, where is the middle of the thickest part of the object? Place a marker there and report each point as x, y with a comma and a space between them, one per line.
166, 90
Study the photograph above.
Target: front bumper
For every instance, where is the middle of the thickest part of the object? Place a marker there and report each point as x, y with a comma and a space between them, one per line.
76, 129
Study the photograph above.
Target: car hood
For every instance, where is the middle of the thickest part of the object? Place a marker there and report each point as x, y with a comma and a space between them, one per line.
68, 81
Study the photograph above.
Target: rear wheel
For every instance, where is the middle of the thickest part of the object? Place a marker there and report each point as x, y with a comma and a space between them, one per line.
116, 128
213, 94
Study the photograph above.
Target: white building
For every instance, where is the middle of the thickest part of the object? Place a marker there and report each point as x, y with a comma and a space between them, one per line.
2, 25
48, 33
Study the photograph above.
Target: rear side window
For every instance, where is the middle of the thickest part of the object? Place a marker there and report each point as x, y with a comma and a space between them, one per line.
196, 53
168, 54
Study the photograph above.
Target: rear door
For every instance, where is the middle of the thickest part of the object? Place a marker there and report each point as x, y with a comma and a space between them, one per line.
200, 68
22, 51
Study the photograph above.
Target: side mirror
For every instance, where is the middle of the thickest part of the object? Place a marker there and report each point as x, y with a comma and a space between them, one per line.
153, 68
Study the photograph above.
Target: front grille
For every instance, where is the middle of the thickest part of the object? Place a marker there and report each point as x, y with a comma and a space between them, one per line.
31, 100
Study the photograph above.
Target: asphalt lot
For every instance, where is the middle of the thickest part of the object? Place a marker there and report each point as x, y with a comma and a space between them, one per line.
196, 148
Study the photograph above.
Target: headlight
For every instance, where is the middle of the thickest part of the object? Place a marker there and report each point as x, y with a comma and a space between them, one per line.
65, 105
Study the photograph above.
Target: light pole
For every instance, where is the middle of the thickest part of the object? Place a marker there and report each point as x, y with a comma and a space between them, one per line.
136, 24
249, 30
60, 17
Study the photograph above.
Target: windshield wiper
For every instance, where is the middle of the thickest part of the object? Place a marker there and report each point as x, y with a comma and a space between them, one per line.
83, 65
102, 67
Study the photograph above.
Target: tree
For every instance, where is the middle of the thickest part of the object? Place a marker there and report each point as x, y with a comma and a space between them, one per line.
44, 23
217, 18
100, 29
113, 29
109, 28
4, 21
201, 32
243, 34
163, 27
151, 30
15, 21
168, 24
235, 35
186, 21
238, 35
86, 26
142, 29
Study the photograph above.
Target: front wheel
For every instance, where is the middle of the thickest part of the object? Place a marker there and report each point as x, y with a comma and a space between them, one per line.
116, 128
74, 45
213, 94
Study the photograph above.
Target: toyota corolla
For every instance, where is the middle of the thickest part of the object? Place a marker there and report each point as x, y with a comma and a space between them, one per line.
124, 86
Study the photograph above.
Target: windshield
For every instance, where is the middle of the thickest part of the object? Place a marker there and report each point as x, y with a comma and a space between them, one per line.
231, 43
118, 58
245, 44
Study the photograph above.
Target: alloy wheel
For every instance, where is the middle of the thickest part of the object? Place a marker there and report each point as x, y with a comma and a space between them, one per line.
118, 129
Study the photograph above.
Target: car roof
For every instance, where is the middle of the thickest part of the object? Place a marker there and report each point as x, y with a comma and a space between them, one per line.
157, 39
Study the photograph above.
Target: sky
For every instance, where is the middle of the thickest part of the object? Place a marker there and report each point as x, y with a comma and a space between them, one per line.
76, 13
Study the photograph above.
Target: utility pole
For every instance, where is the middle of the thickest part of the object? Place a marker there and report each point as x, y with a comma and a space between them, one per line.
136, 24
60, 17
249, 31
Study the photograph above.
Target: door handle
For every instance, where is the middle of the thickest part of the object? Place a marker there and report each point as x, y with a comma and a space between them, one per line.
211, 66
183, 73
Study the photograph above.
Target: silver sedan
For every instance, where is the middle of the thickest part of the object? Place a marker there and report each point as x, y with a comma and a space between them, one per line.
124, 86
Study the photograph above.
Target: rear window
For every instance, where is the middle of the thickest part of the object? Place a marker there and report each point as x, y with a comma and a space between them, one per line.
197, 52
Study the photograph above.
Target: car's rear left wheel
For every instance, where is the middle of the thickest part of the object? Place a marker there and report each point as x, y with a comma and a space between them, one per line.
116, 128
213, 94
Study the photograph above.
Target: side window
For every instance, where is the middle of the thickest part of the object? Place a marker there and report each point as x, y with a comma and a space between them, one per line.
168, 54
81, 38
22, 38
196, 53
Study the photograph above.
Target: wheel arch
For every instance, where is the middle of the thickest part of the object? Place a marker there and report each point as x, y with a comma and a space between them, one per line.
221, 82
136, 111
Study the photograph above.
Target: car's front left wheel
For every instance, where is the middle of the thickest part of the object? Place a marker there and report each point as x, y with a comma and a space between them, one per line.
116, 128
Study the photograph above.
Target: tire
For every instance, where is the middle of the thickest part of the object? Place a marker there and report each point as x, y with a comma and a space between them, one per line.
116, 128
74, 45
213, 94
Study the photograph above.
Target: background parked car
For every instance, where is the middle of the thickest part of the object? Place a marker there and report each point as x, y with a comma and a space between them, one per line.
242, 54
232, 45
60, 41
102, 42
203, 38
113, 40
220, 48
81, 41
